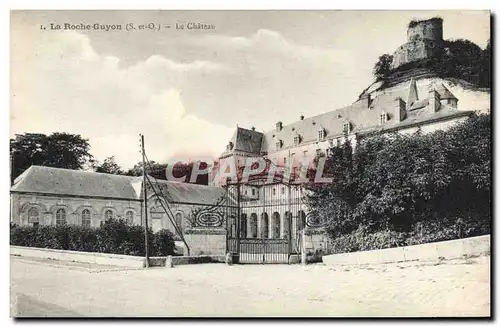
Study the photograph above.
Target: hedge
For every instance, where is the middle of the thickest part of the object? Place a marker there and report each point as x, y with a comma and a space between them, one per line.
445, 229
113, 236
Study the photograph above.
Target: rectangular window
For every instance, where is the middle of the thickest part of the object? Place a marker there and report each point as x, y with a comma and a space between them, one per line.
383, 119
282, 190
305, 153
253, 192
321, 134
284, 160
318, 152
274, 191
296, 140
347, 128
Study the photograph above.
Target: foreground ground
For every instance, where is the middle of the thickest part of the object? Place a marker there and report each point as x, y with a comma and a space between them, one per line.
450, 288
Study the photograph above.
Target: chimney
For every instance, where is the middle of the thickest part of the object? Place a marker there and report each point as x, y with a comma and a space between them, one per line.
301, 117
400, 109
434, 100
365, 100
279, 126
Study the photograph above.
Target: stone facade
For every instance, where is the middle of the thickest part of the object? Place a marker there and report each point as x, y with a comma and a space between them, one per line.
424, 41
203, 241
51, 196
24, 204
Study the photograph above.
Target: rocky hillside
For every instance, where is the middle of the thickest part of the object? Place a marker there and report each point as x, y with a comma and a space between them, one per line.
469, 96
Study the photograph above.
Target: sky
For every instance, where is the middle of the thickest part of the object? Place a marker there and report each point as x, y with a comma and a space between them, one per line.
187, 90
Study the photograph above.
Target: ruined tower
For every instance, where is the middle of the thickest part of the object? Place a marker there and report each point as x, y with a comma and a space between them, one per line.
424, 41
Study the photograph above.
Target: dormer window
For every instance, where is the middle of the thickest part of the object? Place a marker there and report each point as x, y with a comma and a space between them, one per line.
278, 144
383, 118
346, 128
321, 134
296, 139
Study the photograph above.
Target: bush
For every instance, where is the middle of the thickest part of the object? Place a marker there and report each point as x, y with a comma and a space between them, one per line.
364, 240
163, 242
113, 236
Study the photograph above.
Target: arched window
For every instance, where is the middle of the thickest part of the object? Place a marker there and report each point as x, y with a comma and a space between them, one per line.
287, 221
264, 225
86, 218
129, 217
243, 225
253, 225
34, 216
108, 215
60, 216
301, 220
276, 222
178, 220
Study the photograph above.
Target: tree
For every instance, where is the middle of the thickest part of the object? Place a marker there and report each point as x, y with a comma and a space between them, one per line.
158, 170
334, 202
485, 66
438, 184
382, 68
155, 169
61, 150
109, 166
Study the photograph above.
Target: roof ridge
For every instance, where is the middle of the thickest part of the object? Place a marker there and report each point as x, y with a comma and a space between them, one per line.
80, 171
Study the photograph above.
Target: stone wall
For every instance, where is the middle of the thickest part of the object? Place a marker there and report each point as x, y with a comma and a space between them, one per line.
210, 241
48, 205
455, 249
316, 240
424, 40
107, 259
429, 30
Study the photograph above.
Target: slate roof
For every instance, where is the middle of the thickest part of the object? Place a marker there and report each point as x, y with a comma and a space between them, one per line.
359, 115
179, 192
49, 180
443, 92
419, 104
245, 140
58, 181
418, 117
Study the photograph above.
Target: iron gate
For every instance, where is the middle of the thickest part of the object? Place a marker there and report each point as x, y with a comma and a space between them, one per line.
264, 223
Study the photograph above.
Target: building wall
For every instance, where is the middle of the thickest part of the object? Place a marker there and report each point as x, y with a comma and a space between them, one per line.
309, 150
432, 127
182, 216
73, 206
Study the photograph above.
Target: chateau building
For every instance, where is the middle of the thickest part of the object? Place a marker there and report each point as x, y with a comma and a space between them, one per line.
402, 110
